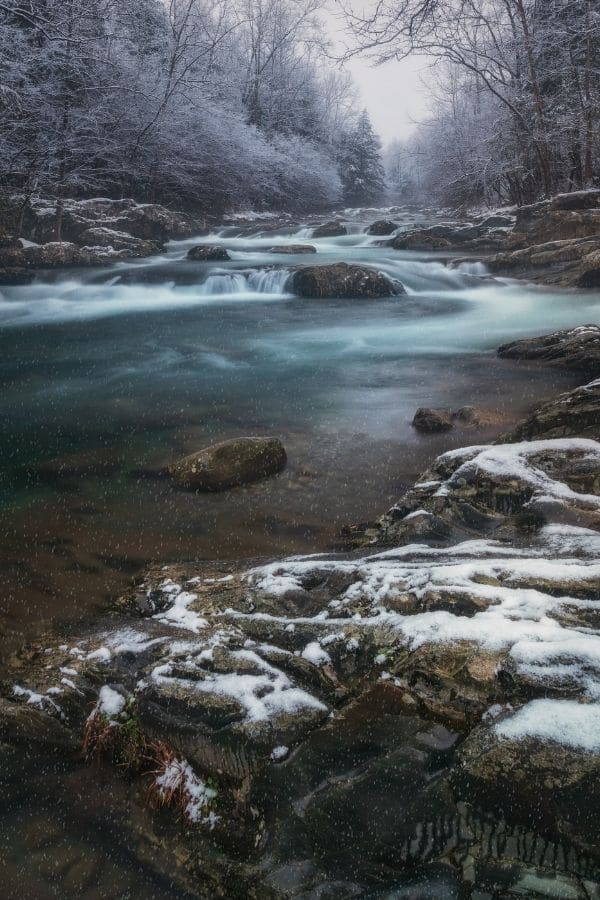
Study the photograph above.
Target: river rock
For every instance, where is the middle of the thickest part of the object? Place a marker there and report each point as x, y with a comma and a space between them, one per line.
92, 238
420, 240
230, 464
483, 235
15, 275
148, 221
311, 710
206, 253
382, 228
329, 229
575, 413
343, 281
292, 248
430, 420
546, 784
575, 348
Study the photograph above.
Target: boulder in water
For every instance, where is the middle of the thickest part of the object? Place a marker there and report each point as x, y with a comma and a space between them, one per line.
382, 228
330, 229
420, 240
292, 248
342, 280
204, 253
431, 421
230, 464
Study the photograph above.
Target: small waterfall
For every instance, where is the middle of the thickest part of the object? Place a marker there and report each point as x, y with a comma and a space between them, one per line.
268, 281
260, 281
224, 283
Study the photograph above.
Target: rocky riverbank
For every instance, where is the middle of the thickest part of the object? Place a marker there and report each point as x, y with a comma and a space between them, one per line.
422, 707
554, 241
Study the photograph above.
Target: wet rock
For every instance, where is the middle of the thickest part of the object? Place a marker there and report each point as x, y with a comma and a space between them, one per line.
483, 235
576, 348
575, 413
330, 229
230, 464
430, 420
382, 228
563, 217
204, 253
14, 275
343, 281
420, 240
292, 248
587, 274
118, 241
148, 221
23, 724
547, 786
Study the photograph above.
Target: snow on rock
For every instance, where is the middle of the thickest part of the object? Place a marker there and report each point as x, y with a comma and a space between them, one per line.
565, 722
315, 654
110, 703
178, 779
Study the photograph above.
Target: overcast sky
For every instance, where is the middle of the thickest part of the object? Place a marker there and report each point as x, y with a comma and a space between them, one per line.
393, 93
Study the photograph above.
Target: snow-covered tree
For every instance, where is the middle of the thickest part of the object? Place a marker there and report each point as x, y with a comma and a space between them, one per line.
361, 167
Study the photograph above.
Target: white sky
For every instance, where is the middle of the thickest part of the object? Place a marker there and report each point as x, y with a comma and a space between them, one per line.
393, 93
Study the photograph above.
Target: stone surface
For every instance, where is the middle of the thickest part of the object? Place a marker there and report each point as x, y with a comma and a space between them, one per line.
382, 228
119, 240
329, 229
292, 248
203, 253
343, 281
575, 348
430, 420
575, 413
230, 464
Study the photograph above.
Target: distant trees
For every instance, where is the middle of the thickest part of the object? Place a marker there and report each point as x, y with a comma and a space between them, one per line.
205, 103
516, 114
361, 166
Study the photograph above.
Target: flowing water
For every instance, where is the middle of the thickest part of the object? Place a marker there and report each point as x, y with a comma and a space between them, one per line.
109, 374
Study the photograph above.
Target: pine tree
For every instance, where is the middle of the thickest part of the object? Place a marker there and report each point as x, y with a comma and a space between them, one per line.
361, 167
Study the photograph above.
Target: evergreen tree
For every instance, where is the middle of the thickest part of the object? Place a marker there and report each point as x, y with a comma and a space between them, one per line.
361, 168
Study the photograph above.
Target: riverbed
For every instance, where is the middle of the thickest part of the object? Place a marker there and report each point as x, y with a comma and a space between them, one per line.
110, 374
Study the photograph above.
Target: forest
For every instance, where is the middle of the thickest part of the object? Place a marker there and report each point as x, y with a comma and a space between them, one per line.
196, 103
216, 105
515, 96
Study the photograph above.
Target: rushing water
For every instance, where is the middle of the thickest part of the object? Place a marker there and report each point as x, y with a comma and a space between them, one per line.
109, 374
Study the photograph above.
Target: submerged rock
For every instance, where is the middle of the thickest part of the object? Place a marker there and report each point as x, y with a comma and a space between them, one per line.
230, 464
330, 229
292, 248
432, 420
343, 281
207, 253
